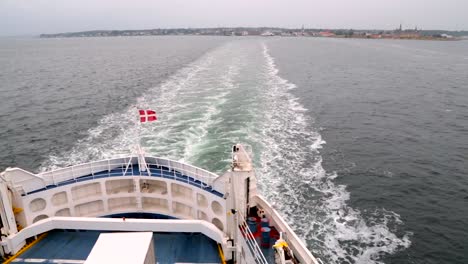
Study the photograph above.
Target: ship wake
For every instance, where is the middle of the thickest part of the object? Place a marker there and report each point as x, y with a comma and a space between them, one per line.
234, 94
313, 204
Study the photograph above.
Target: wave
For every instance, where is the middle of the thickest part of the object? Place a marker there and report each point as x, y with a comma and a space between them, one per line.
187, 104
235, 94
316, 207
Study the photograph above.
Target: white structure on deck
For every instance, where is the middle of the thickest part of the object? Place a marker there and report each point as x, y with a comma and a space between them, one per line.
72, 198
123, 248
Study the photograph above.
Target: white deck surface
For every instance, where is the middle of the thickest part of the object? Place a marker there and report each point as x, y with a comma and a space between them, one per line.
121, 248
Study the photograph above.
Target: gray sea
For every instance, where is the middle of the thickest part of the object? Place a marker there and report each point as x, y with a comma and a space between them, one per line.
362, 145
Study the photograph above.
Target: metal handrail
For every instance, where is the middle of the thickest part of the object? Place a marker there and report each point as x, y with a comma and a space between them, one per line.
251, 242
298, 246
99, 167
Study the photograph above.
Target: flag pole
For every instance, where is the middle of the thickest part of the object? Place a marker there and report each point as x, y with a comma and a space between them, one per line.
137, 148
141, 154
139, 129
146, 115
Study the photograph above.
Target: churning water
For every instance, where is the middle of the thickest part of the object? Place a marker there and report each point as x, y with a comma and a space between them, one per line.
390, 111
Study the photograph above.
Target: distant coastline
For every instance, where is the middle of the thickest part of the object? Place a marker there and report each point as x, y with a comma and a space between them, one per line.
266, 31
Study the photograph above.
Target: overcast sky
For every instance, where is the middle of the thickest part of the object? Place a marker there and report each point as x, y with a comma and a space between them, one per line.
32, 17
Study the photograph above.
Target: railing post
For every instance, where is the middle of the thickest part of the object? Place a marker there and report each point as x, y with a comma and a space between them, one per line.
108, 168
73, 173
53, 178
148, 168
250, 239
188, 176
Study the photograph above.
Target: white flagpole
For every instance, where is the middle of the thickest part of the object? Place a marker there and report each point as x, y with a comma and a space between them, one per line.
141, 154
139, 128
135, 149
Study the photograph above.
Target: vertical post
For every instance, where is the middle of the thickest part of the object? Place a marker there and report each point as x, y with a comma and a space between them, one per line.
237, 236
73, 173
139, 130
53, 178
141, 156
141, 160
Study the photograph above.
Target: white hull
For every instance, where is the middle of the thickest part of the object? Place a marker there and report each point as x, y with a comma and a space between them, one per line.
72, 198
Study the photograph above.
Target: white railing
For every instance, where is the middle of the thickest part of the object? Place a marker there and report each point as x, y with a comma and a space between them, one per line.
186, 169
57, 176
127, 166
246, 253
247, 239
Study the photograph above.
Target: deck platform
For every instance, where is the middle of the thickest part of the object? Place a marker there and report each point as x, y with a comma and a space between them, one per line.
73, 247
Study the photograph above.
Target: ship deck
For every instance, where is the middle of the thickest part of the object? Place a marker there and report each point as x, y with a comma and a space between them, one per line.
73, 247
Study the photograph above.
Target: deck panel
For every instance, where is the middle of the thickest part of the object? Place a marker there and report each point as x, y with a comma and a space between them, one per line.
74, 247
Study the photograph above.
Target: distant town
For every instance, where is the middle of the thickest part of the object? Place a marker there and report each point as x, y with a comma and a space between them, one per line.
398, 33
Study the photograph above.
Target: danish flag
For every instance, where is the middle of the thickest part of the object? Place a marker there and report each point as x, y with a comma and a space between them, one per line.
147, 116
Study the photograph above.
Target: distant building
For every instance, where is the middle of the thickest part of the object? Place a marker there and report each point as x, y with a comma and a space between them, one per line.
326, 34
410, 34
267, 34
401, 33
446, 36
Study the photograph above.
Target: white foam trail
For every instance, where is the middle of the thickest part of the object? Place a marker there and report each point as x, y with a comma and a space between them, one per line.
188, 102
191, 104
292, 174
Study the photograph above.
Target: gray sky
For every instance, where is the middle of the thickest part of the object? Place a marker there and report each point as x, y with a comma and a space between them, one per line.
32, 17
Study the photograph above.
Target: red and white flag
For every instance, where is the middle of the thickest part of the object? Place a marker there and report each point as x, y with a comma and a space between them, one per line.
147, 116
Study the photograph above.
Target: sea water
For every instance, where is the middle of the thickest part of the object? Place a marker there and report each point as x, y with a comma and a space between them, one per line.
360, 144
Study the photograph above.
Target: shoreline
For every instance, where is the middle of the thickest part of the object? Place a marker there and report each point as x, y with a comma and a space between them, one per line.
275, 36
270, 32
